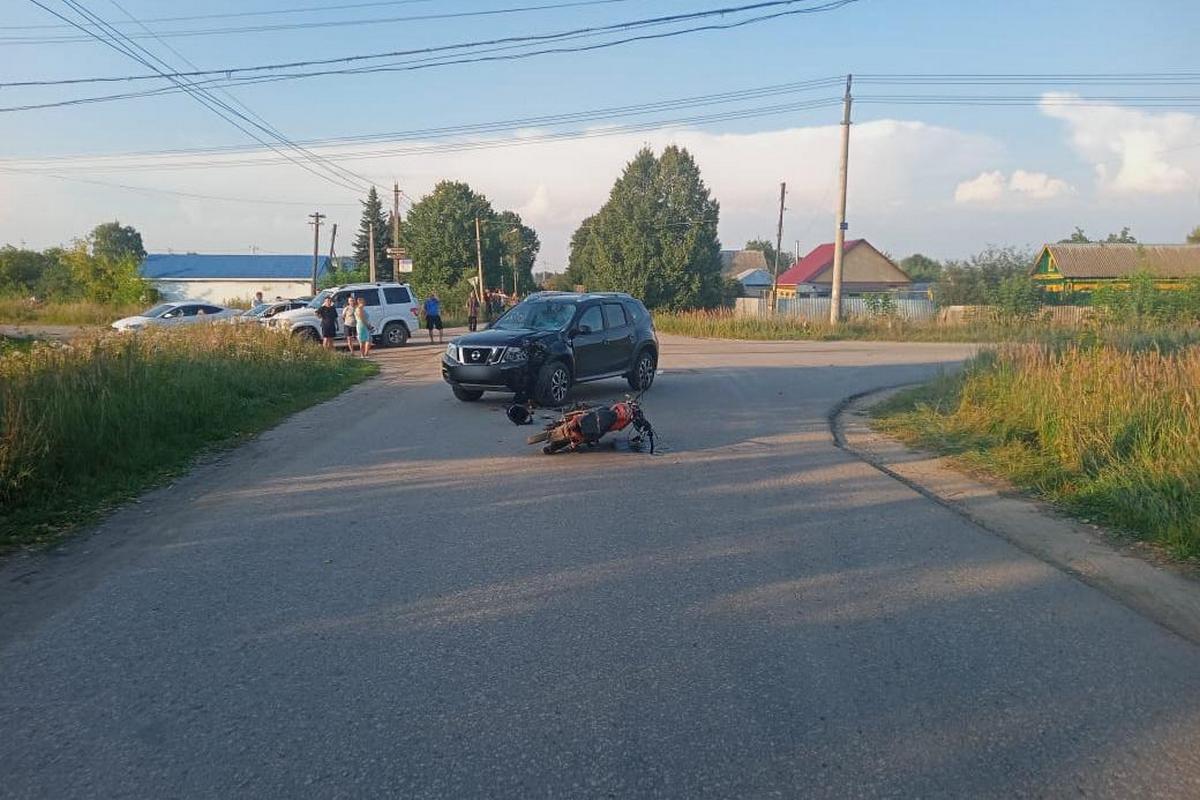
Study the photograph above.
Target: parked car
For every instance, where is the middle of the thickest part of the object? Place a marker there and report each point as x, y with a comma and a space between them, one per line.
393, 310
185, 312
550, 341
263, 312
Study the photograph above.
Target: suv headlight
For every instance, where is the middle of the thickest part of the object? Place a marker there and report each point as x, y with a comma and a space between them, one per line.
515, 355
452, 352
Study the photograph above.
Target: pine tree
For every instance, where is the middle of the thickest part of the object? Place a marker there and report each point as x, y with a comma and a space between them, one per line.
373, 212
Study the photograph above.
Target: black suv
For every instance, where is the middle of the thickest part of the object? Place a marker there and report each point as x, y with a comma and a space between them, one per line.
551, 340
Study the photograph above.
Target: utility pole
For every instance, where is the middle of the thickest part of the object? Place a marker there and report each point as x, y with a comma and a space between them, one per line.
371, 246
396, 231
479, 259
316, 218
839, 241
514, 266
778, 244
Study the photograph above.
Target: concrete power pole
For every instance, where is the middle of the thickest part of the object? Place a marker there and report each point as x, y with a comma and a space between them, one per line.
315, 220
479, 259
839, 241
371, 246
778, 244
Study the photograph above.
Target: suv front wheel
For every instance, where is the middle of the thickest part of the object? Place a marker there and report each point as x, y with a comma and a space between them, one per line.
466, 395
642, 375
553, 384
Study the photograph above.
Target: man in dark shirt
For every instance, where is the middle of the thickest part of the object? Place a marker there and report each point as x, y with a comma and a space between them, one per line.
328, 316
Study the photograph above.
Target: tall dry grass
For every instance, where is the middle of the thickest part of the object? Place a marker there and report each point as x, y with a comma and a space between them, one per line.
88, 423
1111, 433
17, 310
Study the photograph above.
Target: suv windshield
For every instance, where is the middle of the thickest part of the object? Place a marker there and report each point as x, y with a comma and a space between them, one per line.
258, 310
538, 315
320, 298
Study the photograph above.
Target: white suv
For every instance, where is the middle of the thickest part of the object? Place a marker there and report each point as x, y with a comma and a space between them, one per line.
393, 311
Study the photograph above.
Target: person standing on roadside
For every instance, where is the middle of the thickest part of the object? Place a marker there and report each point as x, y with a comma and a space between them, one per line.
433, 316
350, 321
472, 311
363, 327
329, 317
257, 301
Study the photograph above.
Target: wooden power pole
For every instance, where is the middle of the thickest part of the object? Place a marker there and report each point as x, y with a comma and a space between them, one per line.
371, 247
778, 244
839, 241
396, 232
315, 220
479, 259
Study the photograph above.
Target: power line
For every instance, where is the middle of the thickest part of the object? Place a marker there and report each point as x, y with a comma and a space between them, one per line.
828, 5
109, 36
174, 34
172, 192
604, 114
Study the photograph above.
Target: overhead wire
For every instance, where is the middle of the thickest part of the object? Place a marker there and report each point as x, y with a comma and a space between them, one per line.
827, 5
321, 24
112, 38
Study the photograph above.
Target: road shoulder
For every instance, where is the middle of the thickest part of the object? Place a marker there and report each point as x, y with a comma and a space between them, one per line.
1158, 591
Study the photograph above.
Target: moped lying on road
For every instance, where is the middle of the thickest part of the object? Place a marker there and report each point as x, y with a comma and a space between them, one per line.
584, 426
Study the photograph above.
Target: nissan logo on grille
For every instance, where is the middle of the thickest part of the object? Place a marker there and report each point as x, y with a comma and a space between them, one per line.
477, 355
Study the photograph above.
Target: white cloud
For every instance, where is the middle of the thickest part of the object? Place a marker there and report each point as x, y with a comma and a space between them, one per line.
994, 188
987, 187
1132, 151
1038, 185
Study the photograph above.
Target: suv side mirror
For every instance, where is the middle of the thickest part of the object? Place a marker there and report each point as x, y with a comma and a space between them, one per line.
581, 330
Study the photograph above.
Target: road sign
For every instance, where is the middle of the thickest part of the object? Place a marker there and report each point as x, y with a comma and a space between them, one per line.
396, 252
405, 265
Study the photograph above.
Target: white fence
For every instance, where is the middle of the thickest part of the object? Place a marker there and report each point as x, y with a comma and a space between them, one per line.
817, 308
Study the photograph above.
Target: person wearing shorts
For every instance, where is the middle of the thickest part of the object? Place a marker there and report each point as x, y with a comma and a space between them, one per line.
363, 327
433, 316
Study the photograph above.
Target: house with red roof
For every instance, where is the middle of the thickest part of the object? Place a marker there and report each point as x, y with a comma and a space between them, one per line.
865, 270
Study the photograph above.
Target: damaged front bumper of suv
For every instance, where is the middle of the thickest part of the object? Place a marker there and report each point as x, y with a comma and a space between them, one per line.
491, 368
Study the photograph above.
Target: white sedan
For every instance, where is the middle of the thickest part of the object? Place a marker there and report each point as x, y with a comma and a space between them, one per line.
185, 312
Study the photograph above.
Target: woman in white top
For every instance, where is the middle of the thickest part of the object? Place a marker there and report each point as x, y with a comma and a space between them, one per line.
350, 322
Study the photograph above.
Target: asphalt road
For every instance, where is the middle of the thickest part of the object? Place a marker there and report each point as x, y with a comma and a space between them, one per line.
391, 595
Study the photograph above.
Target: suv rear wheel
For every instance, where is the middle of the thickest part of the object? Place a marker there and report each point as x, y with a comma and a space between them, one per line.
642, 375
553, 384
395, 334
307, 333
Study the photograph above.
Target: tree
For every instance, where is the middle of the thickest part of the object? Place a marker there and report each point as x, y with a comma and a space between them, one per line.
1079, 237
1123, 238
372, 212
107, 279
1194, 236
974, 281
439, 234
115, 241
655, 237
21, 270
519, 246
767, 248
921, 268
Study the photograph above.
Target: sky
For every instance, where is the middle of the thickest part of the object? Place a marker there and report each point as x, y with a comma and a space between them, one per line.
944, 180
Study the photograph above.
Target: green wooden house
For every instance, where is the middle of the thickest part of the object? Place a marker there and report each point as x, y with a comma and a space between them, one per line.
1085, 267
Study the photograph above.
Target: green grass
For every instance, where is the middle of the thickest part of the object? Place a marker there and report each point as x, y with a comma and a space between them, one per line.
725, 324
16, 311
89, 424
1107, 433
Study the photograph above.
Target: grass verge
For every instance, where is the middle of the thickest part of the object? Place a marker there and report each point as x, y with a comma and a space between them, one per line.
89, 424
724, 324
1109, 434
